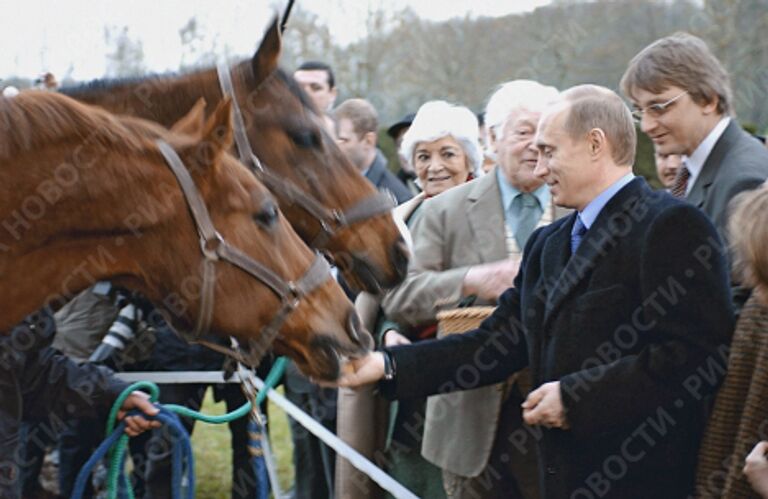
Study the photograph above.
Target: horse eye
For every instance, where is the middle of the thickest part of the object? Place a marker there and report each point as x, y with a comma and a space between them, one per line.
306, 139
268, 215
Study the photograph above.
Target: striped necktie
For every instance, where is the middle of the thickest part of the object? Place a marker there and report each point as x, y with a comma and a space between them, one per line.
681, 182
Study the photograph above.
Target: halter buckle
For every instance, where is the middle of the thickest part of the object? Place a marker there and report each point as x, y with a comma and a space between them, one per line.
210, 247
339, 217
326, 227
293, 298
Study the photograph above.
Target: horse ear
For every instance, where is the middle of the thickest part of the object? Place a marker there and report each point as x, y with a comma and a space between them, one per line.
217, 130
192, 122
213, 139
265, 59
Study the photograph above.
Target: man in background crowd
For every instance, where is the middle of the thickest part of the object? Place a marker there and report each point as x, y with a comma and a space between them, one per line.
357, 125
317, 80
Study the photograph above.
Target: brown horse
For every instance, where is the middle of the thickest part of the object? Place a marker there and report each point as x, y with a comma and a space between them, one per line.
287, 134
85, 196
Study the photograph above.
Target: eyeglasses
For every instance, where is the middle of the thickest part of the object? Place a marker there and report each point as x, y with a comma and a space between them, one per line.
656, 110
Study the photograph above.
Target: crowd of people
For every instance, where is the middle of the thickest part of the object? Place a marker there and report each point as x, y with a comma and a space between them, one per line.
625, 354
604, 370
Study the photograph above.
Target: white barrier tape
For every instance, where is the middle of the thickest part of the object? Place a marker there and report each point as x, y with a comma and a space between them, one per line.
357, 460
177, 377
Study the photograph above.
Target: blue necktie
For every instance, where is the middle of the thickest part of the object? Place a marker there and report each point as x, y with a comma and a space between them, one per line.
577, 233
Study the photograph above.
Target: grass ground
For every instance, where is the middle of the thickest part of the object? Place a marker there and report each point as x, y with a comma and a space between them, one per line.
213, 463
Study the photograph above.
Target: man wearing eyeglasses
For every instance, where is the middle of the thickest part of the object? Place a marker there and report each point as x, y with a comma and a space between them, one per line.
683, 102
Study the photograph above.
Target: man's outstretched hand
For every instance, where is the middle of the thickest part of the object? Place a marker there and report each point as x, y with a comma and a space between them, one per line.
362, 371
136, 425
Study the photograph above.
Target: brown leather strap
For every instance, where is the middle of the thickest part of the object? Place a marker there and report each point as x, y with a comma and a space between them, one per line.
214, 248
241, 137
330, 221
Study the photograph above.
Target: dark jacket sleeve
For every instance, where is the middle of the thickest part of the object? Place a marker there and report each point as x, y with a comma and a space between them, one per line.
485, 356
688, 321
48, 381
52, 383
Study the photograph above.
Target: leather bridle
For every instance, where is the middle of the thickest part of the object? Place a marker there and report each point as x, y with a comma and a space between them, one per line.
330, 221
215, 248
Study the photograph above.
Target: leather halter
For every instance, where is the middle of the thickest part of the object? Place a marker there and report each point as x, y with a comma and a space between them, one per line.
215, 248
330, 221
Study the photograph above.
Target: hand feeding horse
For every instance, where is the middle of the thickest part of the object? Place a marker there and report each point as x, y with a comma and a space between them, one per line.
85, 195
328, 202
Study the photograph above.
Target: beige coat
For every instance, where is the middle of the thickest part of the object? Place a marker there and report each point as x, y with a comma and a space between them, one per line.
458, 229
362, 416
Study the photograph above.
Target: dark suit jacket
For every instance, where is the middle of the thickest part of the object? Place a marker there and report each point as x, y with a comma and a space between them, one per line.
383, 179
737, 163
631, 325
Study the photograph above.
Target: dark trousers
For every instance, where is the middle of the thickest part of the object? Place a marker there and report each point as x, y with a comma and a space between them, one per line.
37, 438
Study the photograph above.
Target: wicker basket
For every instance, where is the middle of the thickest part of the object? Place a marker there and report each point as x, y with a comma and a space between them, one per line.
461, 320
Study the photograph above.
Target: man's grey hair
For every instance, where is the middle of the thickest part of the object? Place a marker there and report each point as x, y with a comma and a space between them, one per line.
516, 95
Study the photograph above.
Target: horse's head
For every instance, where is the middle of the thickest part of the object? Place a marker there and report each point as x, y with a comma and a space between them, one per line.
109, 206
287, 134
317, 323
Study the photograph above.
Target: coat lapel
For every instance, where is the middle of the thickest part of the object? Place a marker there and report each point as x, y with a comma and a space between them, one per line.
706, 178
486, 219
599, 239
554, 259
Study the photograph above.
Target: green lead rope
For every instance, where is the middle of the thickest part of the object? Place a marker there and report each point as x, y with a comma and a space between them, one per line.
116, 456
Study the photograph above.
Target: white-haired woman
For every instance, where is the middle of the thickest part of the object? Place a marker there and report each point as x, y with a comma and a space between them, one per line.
442, 146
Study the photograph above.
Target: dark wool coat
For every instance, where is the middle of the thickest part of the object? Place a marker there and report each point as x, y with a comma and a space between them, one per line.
632, 326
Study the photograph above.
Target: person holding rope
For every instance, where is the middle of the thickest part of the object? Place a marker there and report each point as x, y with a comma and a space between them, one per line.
616, 309
36, 381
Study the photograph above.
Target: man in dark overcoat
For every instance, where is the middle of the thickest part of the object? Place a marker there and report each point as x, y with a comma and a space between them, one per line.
622, 311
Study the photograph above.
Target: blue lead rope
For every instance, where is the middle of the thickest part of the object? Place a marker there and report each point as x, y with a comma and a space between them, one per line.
255, 447
182, 459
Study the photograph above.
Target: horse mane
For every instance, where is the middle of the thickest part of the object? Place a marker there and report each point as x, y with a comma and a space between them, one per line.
107, 84
33, 120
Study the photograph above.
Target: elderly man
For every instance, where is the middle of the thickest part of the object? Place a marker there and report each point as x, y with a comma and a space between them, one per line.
467, 247
620, 310
357, 125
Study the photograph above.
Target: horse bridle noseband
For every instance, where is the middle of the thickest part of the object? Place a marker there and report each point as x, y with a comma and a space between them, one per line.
215, 248
330, 221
